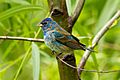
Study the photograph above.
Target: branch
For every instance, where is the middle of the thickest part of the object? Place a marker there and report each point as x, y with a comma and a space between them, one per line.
77, 11
87, 70
58, 10
100, 71
21, 38
96, 39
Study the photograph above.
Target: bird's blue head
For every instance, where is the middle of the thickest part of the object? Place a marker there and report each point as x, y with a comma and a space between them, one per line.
46, 24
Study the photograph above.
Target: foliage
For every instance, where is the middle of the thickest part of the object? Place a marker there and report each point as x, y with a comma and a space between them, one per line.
19, 18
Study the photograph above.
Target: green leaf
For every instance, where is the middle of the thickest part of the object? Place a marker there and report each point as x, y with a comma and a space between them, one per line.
15, 10
96, 64
70, 6
109, 9
36, 61
22, 2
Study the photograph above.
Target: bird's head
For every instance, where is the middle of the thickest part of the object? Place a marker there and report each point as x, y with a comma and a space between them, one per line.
46, 24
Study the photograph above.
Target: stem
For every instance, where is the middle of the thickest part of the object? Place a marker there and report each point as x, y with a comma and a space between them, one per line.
21, 38
60, 15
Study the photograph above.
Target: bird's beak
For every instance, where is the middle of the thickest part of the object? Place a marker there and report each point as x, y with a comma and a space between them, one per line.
39, 25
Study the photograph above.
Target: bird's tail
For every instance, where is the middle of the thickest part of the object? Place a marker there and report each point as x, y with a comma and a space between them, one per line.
89, 49
85, 48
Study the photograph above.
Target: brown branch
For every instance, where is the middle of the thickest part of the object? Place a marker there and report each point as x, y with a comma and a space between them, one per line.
21, 38
59, 13
77, 11
96, 39
66, 63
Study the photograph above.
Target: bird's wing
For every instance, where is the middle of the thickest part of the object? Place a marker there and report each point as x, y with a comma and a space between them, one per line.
67, 39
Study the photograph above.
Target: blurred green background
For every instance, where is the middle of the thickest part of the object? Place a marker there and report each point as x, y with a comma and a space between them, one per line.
22, 60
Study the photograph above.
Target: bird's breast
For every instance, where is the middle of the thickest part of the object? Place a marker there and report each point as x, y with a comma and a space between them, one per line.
49, 39
54, 45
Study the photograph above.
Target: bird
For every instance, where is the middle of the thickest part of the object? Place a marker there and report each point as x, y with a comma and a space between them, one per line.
58, 39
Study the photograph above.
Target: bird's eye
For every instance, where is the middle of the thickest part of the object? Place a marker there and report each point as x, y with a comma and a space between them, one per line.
44, 23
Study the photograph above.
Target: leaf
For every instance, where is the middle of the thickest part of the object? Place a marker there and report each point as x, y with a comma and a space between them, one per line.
36, 61
70, 6
15, 10
96, 64
109, 9
22, 2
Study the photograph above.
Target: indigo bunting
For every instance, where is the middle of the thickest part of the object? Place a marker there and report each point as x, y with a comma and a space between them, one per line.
58, 39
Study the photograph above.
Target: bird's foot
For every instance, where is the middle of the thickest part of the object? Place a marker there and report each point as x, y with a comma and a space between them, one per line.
59, 54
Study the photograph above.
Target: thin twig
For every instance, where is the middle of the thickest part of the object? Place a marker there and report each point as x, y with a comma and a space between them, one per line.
87, 70
100, 71
96, 39
66, 63
21, 38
